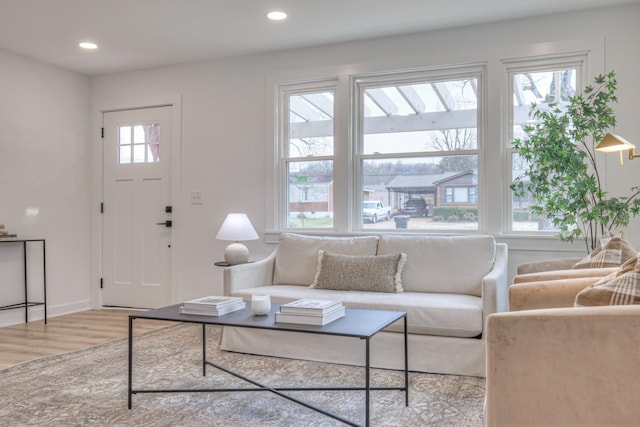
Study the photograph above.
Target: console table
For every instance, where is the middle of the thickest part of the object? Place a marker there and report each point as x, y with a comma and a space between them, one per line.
26, 303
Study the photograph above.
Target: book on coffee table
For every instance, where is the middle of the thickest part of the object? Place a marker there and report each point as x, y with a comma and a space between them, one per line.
311, 319
212, 305
213, 311
310, 307
211, 302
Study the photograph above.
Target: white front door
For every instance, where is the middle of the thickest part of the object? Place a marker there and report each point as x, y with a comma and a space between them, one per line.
136, 240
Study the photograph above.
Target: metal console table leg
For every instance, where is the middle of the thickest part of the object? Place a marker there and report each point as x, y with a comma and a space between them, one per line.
26, 304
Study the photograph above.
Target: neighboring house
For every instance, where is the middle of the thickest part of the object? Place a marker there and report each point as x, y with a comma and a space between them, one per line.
459, 189
447, 189
311, 196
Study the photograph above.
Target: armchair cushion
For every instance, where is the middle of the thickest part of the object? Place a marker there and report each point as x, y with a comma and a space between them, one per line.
547, 294
359, 273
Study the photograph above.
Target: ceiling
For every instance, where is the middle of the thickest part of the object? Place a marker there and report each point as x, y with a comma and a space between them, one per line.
138, 34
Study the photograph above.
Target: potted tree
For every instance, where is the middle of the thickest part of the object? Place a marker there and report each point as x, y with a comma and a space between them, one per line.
562, 174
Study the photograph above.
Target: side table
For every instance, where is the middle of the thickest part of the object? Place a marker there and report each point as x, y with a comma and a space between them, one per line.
26, 303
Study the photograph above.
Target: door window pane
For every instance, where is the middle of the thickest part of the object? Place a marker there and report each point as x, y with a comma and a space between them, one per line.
139, 143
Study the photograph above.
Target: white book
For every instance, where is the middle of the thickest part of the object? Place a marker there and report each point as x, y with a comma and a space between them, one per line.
212, 301
205, 311
309, 306
310, 320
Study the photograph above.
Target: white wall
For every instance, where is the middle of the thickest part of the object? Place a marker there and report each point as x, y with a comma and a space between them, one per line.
48, 125
45, 164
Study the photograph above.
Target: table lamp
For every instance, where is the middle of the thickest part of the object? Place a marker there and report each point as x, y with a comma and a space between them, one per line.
236, 227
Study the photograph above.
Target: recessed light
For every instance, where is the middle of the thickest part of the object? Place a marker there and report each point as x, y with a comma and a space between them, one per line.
88, 45
277, 15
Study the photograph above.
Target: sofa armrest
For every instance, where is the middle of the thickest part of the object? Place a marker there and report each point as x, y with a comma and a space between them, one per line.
249, 275
563, 366
547, 294
495, 285
547, 265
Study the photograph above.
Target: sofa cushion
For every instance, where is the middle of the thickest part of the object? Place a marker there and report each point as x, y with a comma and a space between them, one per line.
610, 252
447, 315
446, 264
360, 272
619, 288
297, 256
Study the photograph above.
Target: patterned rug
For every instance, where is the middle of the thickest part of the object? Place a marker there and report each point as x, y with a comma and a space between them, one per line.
89, 388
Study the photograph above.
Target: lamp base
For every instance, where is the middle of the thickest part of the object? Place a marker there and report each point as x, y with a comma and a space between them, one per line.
236, 253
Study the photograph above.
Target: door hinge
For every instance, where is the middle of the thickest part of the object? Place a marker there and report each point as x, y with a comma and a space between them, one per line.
102, 132
101, 207
101, 283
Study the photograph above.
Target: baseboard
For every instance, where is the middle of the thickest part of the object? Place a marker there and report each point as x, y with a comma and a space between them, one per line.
16, 316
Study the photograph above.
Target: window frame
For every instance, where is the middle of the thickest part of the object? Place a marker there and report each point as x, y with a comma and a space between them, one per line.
359, 83
283, 93
577, 60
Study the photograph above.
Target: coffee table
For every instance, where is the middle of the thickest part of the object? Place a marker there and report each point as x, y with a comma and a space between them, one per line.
357, 323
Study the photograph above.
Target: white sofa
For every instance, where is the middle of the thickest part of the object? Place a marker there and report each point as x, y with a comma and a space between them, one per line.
451, 284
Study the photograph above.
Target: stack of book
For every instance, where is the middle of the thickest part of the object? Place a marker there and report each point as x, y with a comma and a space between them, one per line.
212, 306
310, 312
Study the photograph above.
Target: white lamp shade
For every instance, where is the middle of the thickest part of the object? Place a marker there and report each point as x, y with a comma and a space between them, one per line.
237, 227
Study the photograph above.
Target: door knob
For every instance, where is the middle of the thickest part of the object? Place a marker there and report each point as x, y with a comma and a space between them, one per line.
167, 223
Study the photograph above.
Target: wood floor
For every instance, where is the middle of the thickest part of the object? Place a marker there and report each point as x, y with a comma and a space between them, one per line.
62, 334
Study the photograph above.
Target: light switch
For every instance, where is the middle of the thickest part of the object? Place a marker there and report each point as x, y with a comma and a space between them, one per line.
196, 197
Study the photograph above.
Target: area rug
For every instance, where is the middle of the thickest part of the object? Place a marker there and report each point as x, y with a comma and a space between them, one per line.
89, 388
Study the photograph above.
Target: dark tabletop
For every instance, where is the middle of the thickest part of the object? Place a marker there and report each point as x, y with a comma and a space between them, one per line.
360, 323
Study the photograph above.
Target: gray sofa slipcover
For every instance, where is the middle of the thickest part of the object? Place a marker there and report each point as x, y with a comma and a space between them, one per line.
451, 284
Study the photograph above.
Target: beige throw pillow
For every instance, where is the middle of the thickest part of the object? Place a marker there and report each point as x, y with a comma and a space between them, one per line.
619, 288
610, 252
380, 273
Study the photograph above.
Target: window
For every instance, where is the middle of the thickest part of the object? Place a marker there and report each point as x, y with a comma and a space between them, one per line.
418, 141
548, 84
414, 141
455, 195
306, 153
139, 143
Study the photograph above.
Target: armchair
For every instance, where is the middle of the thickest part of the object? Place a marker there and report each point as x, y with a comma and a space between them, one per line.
551, 284
563, 367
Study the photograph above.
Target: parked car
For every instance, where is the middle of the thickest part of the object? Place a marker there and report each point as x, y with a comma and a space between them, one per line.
416, 207
375, 210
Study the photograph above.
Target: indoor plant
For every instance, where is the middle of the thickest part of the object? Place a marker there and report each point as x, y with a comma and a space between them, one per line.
562, 173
